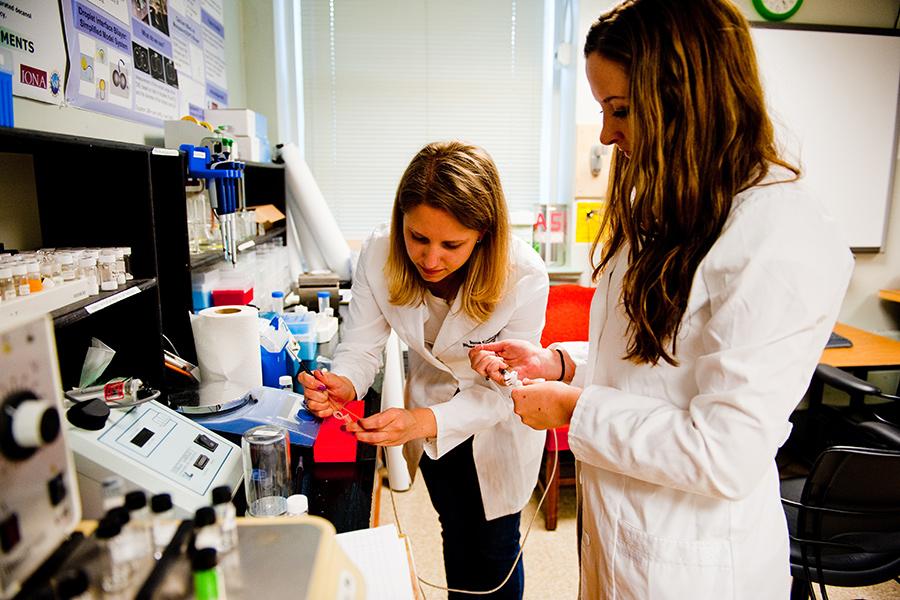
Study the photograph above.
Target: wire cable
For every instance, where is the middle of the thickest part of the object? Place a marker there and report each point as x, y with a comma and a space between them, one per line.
524, 538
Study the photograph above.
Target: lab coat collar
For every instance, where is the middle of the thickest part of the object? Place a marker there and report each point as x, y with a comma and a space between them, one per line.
455, 327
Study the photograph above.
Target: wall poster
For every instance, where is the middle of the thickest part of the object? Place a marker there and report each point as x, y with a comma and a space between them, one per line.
146, 60
33, 49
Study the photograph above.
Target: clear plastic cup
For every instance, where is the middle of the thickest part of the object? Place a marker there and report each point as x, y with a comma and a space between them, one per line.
266, 454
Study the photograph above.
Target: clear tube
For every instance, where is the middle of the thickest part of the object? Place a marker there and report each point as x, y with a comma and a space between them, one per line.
7, 285
90, 274
324, 301
105, 265
20, 279
33, 272
66, 266
164, 523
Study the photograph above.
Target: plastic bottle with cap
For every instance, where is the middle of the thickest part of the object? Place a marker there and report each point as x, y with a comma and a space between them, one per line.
278, 302
206, 532
324, 301
226, 517
138, 529
286, 382
115, 570
208, 584
164, 523
297, 505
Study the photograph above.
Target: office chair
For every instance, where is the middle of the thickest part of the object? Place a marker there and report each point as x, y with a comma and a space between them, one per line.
879, 423
567, 317
844, 520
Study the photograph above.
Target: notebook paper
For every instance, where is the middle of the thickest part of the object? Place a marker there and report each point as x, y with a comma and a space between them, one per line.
380, 554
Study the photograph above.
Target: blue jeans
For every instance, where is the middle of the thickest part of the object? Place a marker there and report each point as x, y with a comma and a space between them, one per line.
477, 553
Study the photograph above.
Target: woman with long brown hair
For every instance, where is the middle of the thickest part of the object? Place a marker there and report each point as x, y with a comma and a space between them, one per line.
718, 282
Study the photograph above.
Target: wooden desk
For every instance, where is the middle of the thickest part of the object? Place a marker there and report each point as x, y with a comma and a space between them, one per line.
870, 351
889, 295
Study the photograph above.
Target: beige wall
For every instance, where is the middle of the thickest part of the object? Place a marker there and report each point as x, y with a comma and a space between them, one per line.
861, 307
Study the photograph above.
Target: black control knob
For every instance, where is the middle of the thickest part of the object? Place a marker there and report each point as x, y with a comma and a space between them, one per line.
89, 414
26, 424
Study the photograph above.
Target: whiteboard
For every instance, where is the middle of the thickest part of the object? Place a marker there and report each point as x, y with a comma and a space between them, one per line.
832, 97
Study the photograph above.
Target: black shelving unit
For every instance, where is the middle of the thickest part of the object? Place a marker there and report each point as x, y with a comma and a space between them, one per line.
93, 193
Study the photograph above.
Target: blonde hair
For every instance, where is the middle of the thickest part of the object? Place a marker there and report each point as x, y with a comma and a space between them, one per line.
463, 181
700, 136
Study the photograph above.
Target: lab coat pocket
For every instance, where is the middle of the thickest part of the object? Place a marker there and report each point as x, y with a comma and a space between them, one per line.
648, 567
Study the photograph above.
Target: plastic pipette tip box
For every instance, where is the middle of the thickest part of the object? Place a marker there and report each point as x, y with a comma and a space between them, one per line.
333, 444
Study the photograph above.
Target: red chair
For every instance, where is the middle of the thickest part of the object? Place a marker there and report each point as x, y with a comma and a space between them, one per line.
568, 313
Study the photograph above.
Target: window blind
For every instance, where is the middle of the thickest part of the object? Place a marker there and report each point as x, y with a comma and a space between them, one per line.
382, 78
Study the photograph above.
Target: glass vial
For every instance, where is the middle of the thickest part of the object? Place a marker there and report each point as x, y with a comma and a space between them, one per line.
105, 265
121, 278
115, 571
226, 517
33, 272
206, 532
20, 279
7, 285
89, 273
138, 528
164, 523
66, 266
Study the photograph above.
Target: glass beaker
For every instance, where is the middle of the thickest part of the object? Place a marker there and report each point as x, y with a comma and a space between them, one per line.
266, 453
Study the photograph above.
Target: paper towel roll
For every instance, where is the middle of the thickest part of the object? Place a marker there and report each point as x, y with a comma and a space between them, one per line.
305, 193
392, 397
227, 342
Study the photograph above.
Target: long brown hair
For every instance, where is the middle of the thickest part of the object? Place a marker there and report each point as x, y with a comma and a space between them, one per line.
700, 136
462, 180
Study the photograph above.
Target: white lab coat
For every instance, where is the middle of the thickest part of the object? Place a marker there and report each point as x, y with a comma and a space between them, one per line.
678, 480
507, 454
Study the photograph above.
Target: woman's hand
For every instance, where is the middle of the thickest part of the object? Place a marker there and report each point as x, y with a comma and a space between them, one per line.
530, 361
546, 405
324, 392
395, 426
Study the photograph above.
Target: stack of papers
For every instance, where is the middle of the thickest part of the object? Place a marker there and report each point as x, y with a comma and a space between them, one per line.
380, 554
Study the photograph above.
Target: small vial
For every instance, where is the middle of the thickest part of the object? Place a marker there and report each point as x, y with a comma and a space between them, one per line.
7, 285
115, 574
47, 280
138, 528
105, 266
208, 584
164, 523
113, 493
55, 268
286, 382
121, 278
278, 302
89, 273
226, 517
66, 266
206, 533
126, 256
20, 279
324, 301
297, 505
33, 272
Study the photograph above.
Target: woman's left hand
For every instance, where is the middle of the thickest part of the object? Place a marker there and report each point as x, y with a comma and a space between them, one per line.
395, 426
546, 405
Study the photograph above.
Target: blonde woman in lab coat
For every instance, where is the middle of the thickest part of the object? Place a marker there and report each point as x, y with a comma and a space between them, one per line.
718, 283
446, 278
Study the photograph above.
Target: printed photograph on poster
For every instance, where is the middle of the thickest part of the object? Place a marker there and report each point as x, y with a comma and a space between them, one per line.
145, 60
32, 49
